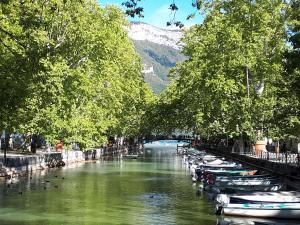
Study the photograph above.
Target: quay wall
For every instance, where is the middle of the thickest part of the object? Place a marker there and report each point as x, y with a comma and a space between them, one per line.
17, 163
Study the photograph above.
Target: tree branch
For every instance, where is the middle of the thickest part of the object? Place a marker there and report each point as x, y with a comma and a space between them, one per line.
9, 48
12, 37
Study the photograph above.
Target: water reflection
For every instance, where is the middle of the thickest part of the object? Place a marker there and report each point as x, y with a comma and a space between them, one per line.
154, 189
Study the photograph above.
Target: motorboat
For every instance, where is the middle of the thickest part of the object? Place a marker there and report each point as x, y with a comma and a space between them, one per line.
268, 210
245, 182
260, 197
246, 188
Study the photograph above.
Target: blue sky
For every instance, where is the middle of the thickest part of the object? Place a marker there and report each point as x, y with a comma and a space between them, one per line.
156, 12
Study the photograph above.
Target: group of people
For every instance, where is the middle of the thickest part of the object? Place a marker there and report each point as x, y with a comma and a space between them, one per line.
29, 143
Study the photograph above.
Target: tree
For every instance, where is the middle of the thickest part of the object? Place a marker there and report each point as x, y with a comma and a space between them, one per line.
69, 71
288, 115
133, 9
236, 39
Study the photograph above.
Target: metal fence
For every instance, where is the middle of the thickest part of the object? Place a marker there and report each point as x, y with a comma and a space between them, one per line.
284, 158
287, 157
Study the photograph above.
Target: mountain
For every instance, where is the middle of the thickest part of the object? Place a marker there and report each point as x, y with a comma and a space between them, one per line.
145, 32
159, 49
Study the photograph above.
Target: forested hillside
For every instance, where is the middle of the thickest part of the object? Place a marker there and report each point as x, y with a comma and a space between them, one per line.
159, 48
162, 58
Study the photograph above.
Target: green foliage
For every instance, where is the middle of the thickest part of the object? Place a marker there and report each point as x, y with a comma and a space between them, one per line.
289, 95
209, 91
69, 71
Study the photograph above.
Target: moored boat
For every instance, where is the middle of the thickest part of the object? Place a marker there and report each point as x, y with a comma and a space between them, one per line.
260, 197
223, 169
244, 188
271, 210
246, 177
245, 182
231, 172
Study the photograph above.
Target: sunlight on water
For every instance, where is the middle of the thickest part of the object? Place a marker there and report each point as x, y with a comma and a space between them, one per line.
155, 189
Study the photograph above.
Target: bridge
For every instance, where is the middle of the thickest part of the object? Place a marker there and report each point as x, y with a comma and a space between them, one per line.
152, 138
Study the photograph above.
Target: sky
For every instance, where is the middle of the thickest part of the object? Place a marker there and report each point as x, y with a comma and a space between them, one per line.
156, 12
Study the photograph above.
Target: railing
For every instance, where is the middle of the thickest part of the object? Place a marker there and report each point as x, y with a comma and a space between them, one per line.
173, 137
287, 157
284, 158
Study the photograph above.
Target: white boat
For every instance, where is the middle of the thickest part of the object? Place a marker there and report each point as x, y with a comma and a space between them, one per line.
217, 169
245, 182
209, 157
251, 177
272, 210
230, 171
220, 166
228, 166
215, 162
260, 197
245, 188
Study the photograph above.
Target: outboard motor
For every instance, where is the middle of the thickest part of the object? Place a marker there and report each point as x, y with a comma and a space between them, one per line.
220, 201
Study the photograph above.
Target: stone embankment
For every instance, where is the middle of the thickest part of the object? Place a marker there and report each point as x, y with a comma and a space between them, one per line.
18, 164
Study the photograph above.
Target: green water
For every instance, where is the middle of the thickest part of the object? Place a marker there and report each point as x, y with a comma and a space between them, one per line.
154, 190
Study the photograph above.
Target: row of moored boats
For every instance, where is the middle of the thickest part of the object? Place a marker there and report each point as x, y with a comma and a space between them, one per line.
241, 191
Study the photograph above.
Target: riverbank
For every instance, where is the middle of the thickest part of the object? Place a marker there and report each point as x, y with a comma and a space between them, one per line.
17, 164
154, 189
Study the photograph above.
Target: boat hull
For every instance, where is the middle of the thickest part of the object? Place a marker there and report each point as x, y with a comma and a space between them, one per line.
267, 197
246, 182
240, 189
265, 213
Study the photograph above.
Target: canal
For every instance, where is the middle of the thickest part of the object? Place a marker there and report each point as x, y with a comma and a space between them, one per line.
155, 189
